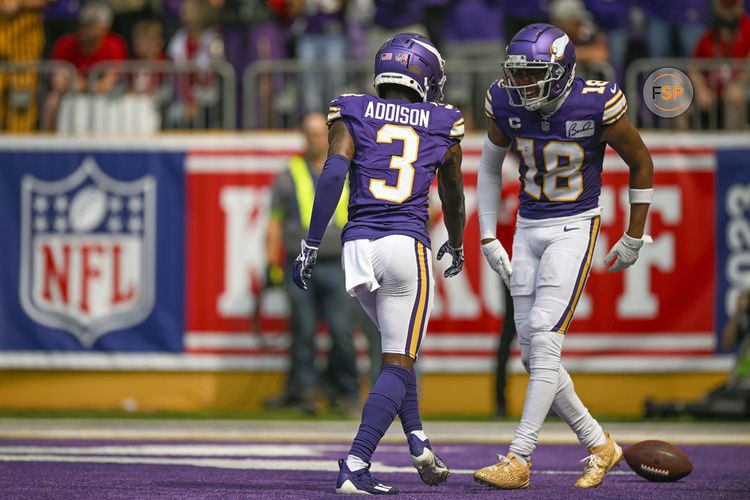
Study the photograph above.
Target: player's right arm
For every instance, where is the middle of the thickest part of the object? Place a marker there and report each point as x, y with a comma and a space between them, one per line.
489, 186
327, 195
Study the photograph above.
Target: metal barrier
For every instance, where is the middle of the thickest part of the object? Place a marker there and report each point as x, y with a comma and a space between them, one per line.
26, 87
276, 94
149, 96
722, 113
170, 95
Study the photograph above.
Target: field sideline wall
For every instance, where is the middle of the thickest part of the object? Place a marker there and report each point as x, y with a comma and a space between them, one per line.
612, 395
132, 269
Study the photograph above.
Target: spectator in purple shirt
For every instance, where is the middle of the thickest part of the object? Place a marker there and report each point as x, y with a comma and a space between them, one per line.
474, 29
392, 17
685, 20
520, 13
612, 16
318, 26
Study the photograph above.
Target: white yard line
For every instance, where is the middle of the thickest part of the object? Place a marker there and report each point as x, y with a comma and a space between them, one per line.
342, 431
242, 464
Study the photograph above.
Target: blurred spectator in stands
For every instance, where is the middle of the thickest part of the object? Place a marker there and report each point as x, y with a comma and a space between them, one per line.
520, 13
291, 207
92, 43
21, 42
358, 17
127, 13
148, 47
674, 27
472, 39
612, 17
321, 44
253, 31
391, 17
728, 37
592, 54
197, 42
60, 17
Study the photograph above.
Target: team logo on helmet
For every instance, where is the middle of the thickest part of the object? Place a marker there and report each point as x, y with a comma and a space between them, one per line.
557, 49
88, 251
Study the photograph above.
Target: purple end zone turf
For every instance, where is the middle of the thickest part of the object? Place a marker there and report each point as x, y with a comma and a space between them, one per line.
718, 472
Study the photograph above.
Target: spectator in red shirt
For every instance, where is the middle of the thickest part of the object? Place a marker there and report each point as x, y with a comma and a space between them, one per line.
728, 37
92, 43
148, 47
198, 42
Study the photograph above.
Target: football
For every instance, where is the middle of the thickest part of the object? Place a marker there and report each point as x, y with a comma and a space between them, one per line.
658, 461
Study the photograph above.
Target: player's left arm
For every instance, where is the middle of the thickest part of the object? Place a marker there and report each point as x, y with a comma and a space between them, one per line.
627, 142
451, 191
330, 184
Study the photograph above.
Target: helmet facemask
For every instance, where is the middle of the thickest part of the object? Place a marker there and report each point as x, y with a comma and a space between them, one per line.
531, 81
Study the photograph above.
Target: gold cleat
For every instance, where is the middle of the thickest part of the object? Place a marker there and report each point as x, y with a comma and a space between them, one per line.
508, 474
601, 459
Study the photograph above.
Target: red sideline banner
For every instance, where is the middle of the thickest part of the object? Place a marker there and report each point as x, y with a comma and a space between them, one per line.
656, 316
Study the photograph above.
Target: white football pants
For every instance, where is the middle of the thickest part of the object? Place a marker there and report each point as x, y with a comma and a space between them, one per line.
551, 263
392, 279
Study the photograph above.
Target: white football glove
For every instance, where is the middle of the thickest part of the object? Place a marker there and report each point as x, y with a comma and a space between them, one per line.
498, 260
625, 252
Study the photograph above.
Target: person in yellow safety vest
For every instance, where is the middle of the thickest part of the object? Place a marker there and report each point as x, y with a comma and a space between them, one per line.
292, 198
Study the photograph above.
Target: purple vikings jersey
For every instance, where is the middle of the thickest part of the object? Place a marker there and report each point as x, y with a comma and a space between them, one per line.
560, 158
399, 146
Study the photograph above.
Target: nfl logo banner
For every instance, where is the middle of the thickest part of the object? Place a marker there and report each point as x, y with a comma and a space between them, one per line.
87, 251
98, 254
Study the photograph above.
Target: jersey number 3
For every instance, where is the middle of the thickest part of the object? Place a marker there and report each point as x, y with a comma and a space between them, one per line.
560, 182
403, 163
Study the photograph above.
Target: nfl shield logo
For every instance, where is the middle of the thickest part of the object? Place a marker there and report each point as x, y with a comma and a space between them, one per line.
88, 251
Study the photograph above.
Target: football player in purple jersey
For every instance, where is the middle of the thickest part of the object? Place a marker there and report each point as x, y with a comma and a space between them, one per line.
559, 126
392, 146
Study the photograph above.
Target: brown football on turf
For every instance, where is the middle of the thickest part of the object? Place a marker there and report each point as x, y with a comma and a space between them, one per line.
658, 461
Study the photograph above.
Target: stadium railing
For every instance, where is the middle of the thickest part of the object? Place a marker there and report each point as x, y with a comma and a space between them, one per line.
275, 93
147, 96
162, 95
717, 73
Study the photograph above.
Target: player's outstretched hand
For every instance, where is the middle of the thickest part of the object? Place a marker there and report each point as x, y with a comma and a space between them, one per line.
498, 260
625, 252
457, 254
303, 264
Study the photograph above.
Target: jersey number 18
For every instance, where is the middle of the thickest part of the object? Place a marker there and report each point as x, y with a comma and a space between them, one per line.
558, 182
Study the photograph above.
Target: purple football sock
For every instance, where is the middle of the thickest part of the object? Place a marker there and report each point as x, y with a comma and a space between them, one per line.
409, 411
380, 409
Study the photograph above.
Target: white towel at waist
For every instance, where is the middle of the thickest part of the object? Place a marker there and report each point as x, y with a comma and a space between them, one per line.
358, 269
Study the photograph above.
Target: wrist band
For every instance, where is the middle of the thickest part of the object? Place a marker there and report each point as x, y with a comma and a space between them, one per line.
640, 195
